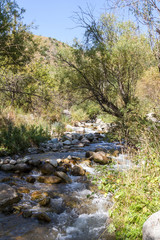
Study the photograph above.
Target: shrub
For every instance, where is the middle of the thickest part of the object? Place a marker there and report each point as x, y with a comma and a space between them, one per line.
15, 139
19, 131
78, 115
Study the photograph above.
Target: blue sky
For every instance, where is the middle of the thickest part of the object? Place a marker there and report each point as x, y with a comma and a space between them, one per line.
53, 17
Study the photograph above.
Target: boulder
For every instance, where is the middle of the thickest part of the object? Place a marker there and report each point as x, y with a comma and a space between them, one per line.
26, 213
151, 228
78, 171
90, 137
6, 179
7, 160
63, 176
77, 136
67, 136
56, 146
61, 169
30, 179
38, 195
67, 147
8, 196
99, 157
33, 150
85, 141
67, 142
66, 161
49, 179
44, 202
80, 145
53, 162
23, 167
47, 169
23, 190
75, 158
75, 141
54, 140
88, 154
26, 159
7, 167
43, 217
13, 162
35, 162
101, 149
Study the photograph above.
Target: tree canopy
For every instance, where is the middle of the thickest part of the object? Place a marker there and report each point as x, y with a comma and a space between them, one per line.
107, 65
17, 45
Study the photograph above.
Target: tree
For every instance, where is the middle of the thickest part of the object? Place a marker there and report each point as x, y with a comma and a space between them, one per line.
147, 14
17, 49
17, 44
145, 11
107, 65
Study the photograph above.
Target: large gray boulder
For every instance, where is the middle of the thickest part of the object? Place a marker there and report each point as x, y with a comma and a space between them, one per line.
8, 196
35, 162
90, 137
47, 169
7, 167
63, 176
151, 228
23, 167
67, 142
99, 157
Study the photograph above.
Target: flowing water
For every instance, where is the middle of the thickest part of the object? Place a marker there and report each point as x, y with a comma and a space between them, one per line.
75, 212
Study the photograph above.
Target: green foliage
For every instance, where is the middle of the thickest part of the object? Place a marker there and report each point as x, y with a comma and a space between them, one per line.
19, 131
136, 191
78, 114
136, 199
106, 67
92, 109
130, 127
107, 179
107, 118
16, 42
132, 124
89, 109
30, 88
15, 139
148, 88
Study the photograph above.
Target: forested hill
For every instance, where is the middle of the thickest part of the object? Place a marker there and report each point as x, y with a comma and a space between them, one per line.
47, 48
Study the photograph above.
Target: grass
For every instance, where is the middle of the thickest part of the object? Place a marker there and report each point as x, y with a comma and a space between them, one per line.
78, 115
136, 192
18, 131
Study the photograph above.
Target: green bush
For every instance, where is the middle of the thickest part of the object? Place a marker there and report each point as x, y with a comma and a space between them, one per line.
107, 118
130, 126
14, 139
78, 114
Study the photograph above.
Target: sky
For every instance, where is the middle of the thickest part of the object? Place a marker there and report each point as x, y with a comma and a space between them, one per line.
53, 17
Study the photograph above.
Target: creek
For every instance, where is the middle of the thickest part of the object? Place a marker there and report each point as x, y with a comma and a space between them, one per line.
77, 210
